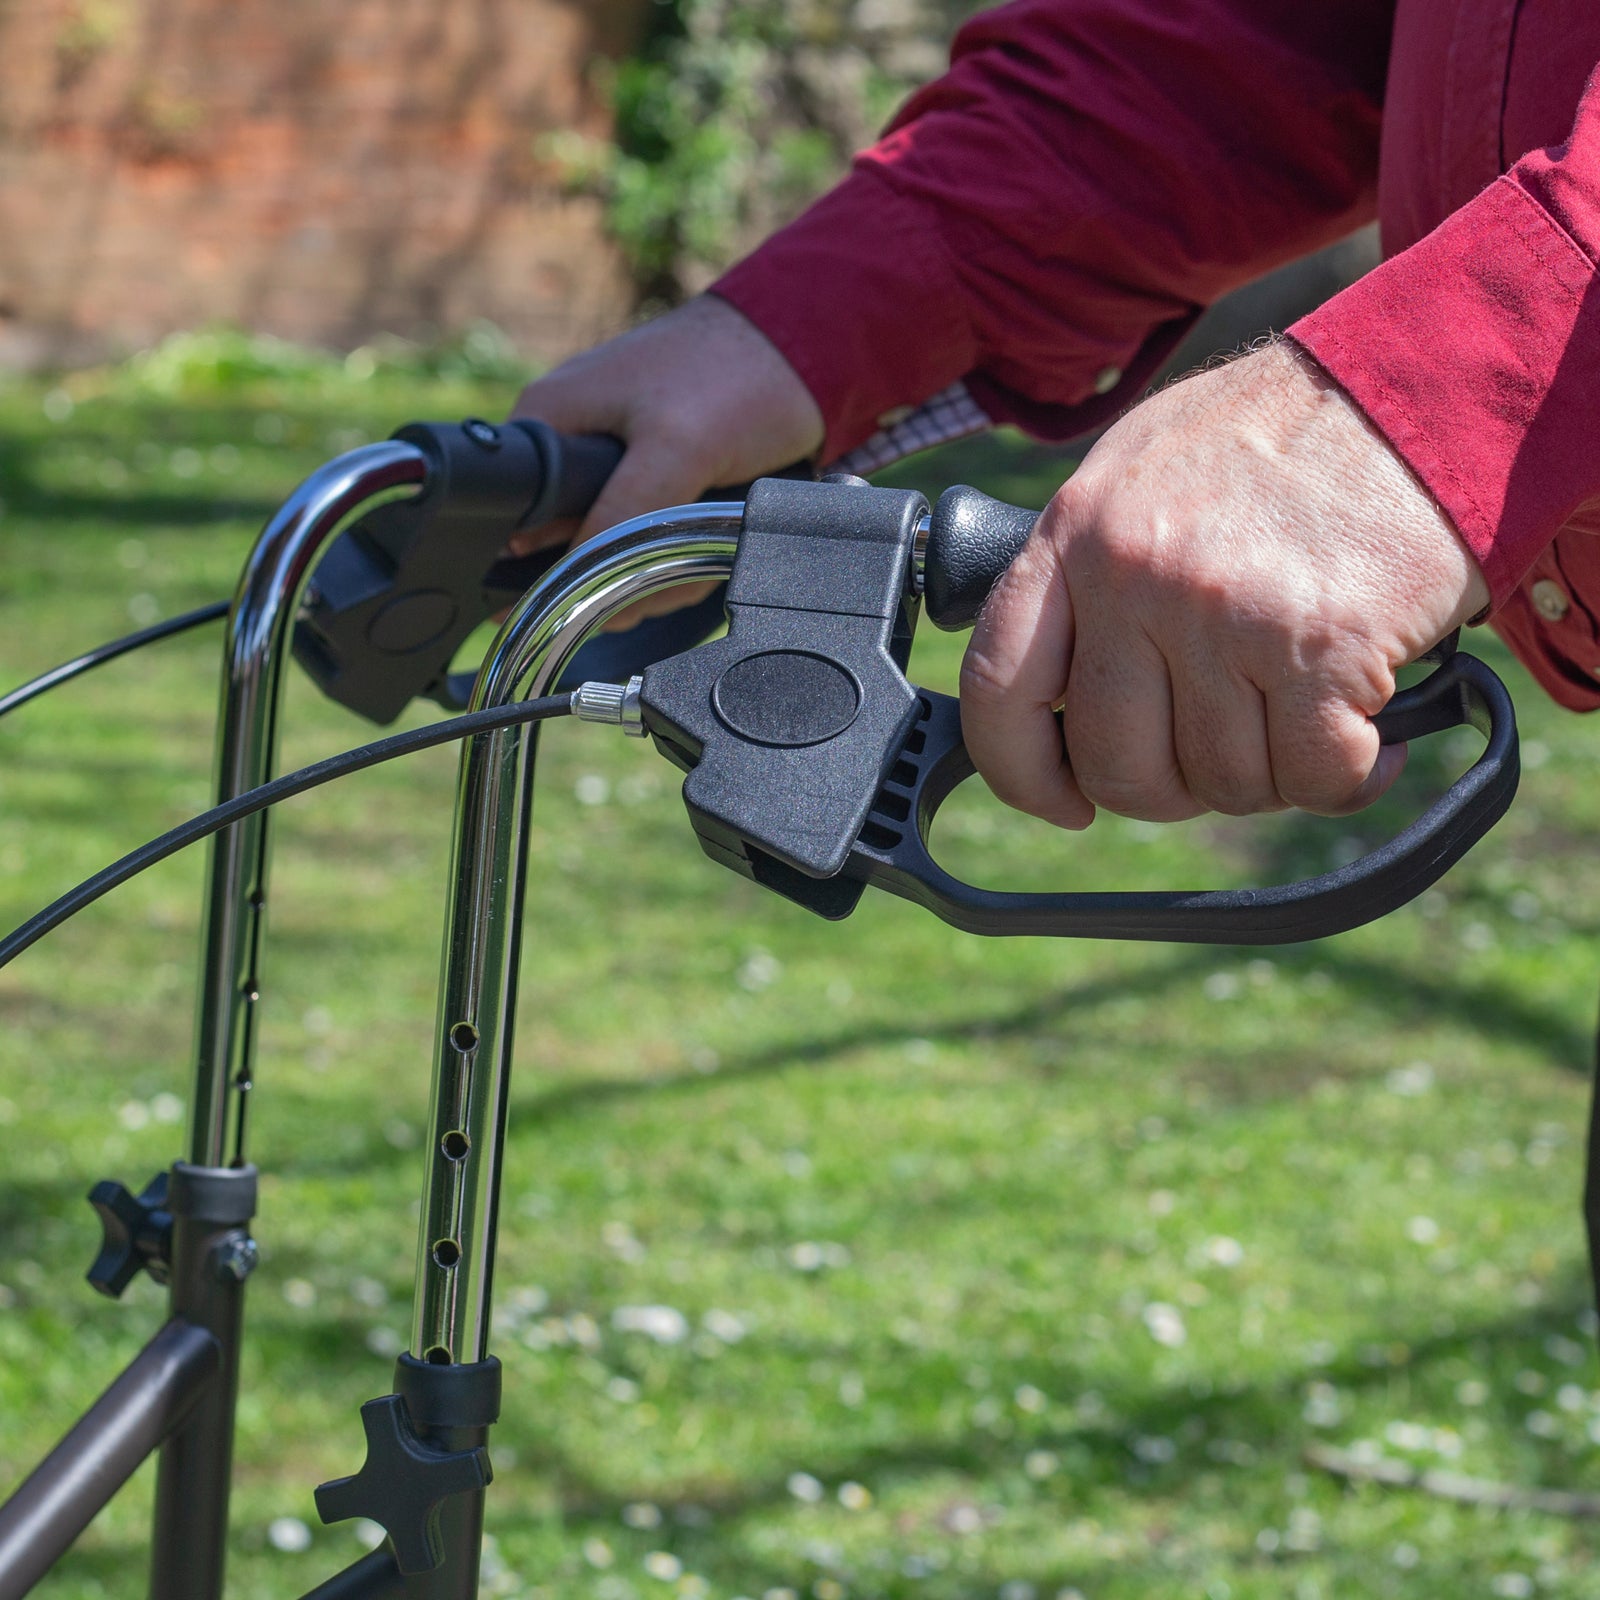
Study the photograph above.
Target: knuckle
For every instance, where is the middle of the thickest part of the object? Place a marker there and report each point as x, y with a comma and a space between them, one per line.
1069, 507
1234, 782
1233, 796
1144, 798
983, 679
1329, 787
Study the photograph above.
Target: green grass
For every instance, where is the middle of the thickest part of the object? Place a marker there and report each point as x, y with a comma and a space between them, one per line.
1005, 1268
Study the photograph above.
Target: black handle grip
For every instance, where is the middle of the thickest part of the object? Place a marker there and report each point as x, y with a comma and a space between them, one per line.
972, 539
398, 592
893, 852
574, 468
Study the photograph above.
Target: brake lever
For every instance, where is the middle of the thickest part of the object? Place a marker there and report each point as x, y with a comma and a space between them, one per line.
399, 591
892, 852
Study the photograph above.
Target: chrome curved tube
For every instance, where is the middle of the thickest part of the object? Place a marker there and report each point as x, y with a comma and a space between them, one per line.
477, 993
257, 647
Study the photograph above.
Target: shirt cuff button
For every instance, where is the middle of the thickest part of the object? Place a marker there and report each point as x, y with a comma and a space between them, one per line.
1550, 600
1106, 379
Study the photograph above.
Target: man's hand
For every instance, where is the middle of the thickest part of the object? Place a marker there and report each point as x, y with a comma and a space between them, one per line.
699, 396
1217, 600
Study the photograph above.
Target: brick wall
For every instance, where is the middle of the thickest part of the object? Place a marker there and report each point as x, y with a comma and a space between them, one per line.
319, 169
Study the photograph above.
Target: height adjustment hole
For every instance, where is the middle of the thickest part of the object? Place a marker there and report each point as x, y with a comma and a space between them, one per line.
463, 1037
455, 1145
446, 1253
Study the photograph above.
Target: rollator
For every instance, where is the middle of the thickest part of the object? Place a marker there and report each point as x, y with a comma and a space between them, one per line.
813, 766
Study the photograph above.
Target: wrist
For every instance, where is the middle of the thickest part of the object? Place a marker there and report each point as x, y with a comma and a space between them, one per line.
1417, 528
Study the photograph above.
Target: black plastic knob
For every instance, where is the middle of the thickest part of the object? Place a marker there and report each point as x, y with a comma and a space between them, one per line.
403, 1483
972, 539
136, 1235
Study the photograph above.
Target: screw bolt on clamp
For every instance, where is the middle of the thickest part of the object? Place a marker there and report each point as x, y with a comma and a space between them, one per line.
613, 703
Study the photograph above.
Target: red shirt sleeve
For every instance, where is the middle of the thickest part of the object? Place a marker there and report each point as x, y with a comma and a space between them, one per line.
1477, 352
1048, 219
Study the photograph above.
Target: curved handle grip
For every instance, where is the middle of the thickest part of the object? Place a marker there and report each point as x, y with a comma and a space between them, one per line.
893, 852
972, 539
398, 591
576, 468
573, 469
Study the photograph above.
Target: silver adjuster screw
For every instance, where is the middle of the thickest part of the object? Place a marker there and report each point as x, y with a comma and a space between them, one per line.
613, 703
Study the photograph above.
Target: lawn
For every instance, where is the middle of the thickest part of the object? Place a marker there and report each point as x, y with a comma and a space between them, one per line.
838, 1260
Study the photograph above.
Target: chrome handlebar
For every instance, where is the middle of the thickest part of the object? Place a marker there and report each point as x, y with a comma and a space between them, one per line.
482, 942
259, 628
577, 597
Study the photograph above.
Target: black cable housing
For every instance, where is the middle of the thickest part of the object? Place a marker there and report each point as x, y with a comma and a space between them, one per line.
68, 670
253, 800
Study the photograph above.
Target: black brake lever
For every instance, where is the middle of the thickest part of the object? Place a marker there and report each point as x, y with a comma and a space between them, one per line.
399, 591
893, 853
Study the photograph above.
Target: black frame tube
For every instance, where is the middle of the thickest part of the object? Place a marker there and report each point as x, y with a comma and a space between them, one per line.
374, 1575
140, 1408
211, 1208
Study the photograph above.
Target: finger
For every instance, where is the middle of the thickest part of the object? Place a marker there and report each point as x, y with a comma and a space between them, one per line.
652, 473
559, 530
1119, 725
1325, 755
1220, 736
1012, 679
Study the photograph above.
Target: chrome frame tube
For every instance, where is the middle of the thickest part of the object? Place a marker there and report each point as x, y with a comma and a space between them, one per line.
260, 626
477, 994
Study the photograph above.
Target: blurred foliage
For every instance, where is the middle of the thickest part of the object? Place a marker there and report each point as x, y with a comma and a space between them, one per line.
223, 358
732, 116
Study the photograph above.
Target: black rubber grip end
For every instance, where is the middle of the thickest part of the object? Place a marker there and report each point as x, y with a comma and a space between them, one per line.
972, 539
576, 467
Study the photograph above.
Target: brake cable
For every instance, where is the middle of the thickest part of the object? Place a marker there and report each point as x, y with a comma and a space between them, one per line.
253, 800
68, 670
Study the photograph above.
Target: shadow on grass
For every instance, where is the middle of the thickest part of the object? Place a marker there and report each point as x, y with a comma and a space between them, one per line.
1495, 1010
1250, 1429
1150, 1446
1397, 994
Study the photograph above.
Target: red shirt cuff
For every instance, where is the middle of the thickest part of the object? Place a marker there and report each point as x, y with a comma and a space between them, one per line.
1474, 353
858, 297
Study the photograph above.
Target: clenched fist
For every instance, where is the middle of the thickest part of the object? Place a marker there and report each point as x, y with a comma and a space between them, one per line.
699, 396
1216, 602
